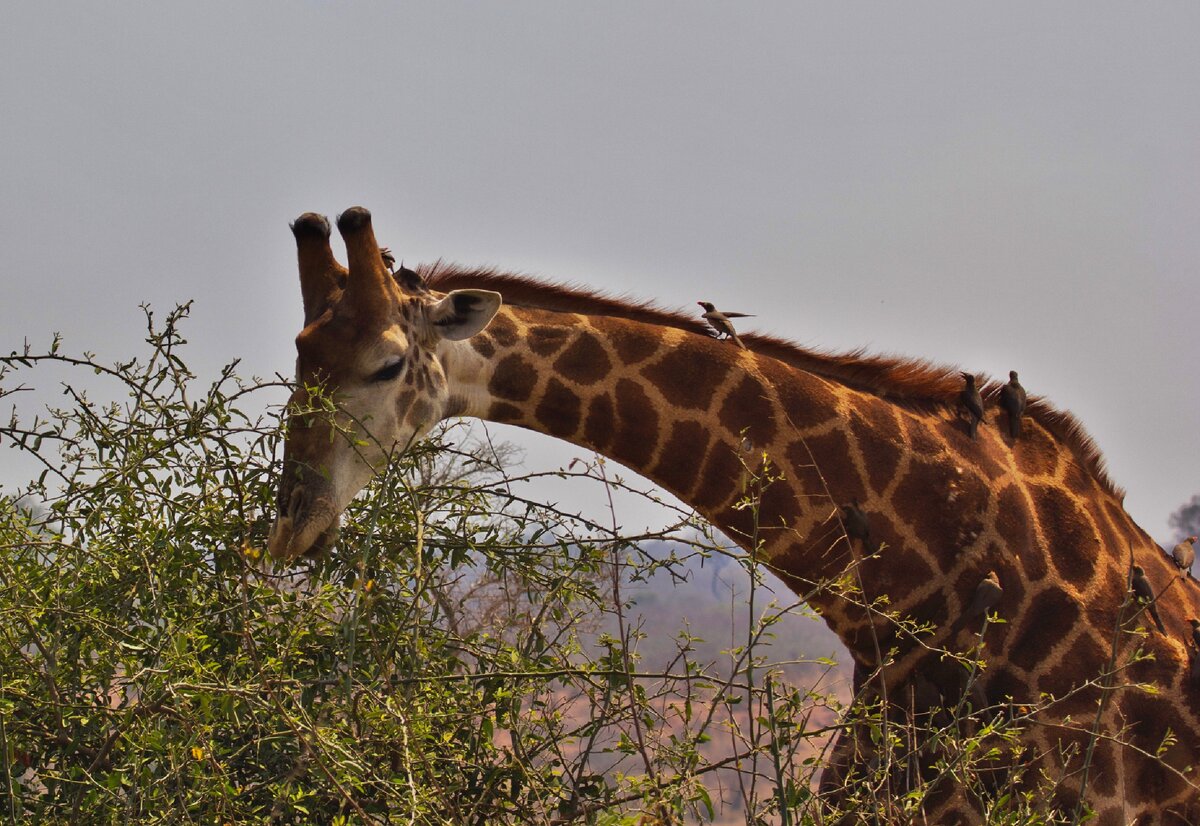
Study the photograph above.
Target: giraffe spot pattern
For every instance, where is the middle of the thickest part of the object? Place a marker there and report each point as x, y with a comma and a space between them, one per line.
504, 413
1063, 678
1050, 616
503, 330
682, 456
1014, 523
632, 344
807, 401
637, 424
1036, 455
1149, 719
944, 504
560, 409
747, 410
899, 571
600, 423
513, 379
841, 476
482, 344
721, 472
880, 442
1075, 548
687, 376
545, 340
585, 361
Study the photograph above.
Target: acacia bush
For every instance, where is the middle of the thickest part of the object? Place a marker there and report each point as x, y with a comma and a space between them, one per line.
464, 655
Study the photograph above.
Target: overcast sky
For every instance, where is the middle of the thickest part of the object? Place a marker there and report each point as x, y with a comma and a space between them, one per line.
1010, 186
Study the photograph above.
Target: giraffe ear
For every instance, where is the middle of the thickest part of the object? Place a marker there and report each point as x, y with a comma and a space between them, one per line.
463, 313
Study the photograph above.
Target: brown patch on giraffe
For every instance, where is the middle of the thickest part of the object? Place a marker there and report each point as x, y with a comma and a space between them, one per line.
933, 609
778, 505
801, 470
1066, 675
633, 344
1105, 601
503, 330
764, 513
585, 361
1035, 453
837, 470
738, 522
687, 376
420, 413
1076, 479
880, 441
682, 456
544, 340
898, 572
514, 379
1149, 718
483, 345
720, 480
921, 439
1075, 549
1103, 776
1003, 686
504, 412
560, 409
1050, 616
1014, 523
637, 425
600, 422
1110, 538
807, 401
942, 505
747, 409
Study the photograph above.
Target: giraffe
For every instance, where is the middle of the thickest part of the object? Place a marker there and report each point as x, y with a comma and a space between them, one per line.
652, 390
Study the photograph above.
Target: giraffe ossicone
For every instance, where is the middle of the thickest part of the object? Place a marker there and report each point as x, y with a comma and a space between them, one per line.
1037, 517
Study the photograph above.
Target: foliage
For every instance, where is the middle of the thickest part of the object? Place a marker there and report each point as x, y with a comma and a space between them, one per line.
464, 656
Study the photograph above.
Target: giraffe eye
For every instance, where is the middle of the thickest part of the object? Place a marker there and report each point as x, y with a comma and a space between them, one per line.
387, 373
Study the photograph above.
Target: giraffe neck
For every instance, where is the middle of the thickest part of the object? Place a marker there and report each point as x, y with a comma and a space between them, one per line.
718, 426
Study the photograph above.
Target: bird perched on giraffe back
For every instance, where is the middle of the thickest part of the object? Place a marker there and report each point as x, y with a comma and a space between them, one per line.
720, 322
972, 402
1012, 399
1145, 595
1184, 555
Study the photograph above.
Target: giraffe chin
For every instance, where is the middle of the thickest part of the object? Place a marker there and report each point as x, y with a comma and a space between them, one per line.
312, 538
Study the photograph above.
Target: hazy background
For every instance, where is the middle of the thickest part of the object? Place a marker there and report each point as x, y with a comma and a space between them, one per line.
1000, 187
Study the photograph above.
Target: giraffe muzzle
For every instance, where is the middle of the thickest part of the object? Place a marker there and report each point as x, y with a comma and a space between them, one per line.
307, 520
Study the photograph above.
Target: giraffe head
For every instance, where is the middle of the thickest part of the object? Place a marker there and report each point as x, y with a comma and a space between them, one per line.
369, 373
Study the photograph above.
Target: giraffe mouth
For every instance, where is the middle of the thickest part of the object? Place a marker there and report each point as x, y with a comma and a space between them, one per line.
305, 526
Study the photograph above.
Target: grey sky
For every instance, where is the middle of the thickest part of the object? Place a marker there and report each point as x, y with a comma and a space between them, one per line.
1016, 186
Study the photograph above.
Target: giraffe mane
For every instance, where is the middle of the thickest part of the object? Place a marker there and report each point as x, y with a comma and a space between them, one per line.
912, 383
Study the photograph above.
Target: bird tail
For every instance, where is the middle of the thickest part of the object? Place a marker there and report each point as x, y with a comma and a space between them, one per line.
734, 336
1014, 426
1157, 620
972, 426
